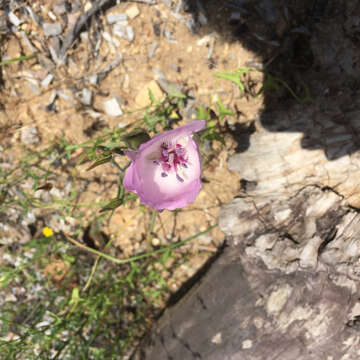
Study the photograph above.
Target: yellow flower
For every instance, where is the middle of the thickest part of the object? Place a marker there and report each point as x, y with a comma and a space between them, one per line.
47, 231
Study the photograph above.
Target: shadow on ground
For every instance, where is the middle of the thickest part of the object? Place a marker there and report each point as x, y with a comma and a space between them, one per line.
311, 45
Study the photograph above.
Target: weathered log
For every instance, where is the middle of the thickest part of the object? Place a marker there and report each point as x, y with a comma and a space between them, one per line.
289, 290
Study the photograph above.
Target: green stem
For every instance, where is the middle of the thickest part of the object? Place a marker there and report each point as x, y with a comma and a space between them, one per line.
20, 58
141, 256
152, 225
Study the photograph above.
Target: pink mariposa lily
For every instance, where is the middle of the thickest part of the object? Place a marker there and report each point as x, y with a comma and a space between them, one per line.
165, 172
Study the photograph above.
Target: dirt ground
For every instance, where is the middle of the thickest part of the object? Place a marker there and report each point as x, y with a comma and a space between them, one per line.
184, 60
187, 59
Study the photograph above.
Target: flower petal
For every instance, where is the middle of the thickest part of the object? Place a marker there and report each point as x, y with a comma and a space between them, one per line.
175, 134
181, 185
129, 181
131, 154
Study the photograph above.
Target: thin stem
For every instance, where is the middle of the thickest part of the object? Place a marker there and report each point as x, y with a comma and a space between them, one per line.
20, 58
152, 225
93, 269
153, 218
141, 256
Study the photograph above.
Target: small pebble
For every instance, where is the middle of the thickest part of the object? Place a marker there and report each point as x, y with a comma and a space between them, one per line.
52, 16
93, 79
203, 19
87, 6
84, 36
29, 135
126, 82
34, 88
27, 41
52, 29
158, 73
34, 17
152, 49
60, 8
132, 12
204, 40
112, 107
110, 39
86, 96
54, 55
130, 33
155, 242
119, 30
114, 18
14, 19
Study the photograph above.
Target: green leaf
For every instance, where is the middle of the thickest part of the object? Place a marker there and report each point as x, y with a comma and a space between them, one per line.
152, 97
101, 161
75, 297
235, 77
112, 205
223, 111
202, 114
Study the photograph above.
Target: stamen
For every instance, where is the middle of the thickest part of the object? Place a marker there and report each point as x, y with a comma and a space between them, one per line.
179, 178
172, 158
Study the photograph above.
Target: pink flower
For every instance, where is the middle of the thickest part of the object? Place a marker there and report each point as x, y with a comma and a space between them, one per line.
165, 171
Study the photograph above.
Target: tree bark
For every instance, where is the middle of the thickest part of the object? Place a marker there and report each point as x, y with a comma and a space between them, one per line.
289, 290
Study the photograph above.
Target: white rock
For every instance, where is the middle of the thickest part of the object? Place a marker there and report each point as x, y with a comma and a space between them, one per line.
112, 107
86, 96
47, 80
130, 33
93, 79
132, 12
152, 49
29, 135
119, 30
114, 18
204, 40
60, 8
51, 15
52, 29
126, 82
155, 242
14, 19
111, 40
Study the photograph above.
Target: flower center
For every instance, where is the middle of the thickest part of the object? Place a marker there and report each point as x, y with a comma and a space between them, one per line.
172, 159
